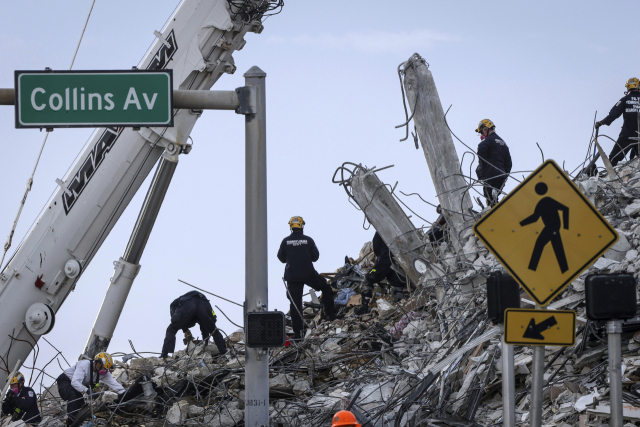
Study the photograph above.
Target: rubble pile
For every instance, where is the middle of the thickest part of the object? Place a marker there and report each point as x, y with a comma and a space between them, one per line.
429, 359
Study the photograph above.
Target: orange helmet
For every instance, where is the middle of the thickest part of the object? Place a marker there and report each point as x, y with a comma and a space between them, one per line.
346, 419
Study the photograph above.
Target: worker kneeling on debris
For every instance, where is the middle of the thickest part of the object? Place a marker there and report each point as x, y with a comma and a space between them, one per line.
21, 402
382, 269
79, 383
191, 308
494, 161
299, 252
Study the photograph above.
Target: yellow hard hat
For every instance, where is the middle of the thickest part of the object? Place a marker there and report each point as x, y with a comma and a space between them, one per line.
105, 359
486, 123
19, 377
632, 83
296, 222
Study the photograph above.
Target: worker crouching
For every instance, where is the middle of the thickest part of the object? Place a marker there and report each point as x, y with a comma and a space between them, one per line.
191, 308
79, 383
298, 251
21, 402
382, 269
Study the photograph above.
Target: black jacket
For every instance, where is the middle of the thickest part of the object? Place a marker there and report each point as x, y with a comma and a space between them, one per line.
493, 157
628, 107
24, 406
299, 252
382, 268
180, 301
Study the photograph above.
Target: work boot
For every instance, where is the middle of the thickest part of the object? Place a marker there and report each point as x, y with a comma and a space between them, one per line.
363, 308
297, 335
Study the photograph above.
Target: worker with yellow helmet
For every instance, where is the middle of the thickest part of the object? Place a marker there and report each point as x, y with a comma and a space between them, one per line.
79, 383
494, 161
298, 251
629, 108
21, 402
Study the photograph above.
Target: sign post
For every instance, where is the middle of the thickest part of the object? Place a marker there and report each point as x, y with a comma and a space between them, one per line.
611, 298
545, 233
56, 99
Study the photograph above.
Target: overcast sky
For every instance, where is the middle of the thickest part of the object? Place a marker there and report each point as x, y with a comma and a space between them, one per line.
539, 70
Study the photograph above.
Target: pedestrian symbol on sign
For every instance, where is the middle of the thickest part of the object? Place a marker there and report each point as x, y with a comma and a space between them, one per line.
547, 209
529, 232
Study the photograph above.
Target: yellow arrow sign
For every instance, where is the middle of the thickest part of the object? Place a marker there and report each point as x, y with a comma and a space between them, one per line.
545, 232
540, 327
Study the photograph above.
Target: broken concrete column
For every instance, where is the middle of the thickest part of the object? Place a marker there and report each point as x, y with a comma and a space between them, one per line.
435, 137
387, 217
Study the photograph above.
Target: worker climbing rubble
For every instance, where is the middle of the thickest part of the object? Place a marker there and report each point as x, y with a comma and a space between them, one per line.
21, 402
382, 269
494, 161
187, 310
78, 383
629, 108
298, 251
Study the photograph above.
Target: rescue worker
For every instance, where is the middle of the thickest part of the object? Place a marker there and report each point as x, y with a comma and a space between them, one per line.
21, 402
79, 383
438, 228
299, 252
345, 419
191, 308
494, 161
629, 108
381, 270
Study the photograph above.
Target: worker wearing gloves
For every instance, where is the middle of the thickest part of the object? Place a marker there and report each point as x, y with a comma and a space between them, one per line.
382, 269
21, 402
191, 308
79, 383
299, 252
494, 161
345, 419
629, 108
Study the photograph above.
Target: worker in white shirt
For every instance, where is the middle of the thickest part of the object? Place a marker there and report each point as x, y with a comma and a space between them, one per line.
79, 382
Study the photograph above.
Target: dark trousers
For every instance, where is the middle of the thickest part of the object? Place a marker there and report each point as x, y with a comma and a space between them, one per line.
72, 396
489, 186
378, 273
623, 146
296, 289
193, 311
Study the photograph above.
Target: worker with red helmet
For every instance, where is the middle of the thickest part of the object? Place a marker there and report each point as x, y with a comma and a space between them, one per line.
345, 419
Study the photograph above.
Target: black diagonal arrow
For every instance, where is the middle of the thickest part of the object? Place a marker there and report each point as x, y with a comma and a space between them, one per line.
534, 331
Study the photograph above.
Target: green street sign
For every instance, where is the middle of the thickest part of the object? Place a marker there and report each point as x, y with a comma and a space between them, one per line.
131, 98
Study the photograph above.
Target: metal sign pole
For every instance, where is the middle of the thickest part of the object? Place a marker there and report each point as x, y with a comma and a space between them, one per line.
508, 386
537, 383
614, 330
256, 273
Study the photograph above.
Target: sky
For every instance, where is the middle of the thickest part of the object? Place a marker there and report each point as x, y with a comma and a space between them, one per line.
539, 70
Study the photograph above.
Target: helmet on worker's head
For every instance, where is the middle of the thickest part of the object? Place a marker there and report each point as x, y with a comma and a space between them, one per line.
486, 123
17, 378
346, 419
632, 84
296, 222
105, 359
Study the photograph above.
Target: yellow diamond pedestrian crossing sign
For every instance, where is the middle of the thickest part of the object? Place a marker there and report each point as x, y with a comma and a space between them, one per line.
545, 232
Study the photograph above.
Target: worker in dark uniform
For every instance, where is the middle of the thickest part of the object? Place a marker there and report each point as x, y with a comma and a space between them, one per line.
186, 311
628, 107
381, 270
299, 252
437, 232
21, 402
494, 161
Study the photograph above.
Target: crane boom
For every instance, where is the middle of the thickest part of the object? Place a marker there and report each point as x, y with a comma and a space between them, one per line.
197, 44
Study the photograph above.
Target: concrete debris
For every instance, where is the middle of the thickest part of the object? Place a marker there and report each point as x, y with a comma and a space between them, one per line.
431, 358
